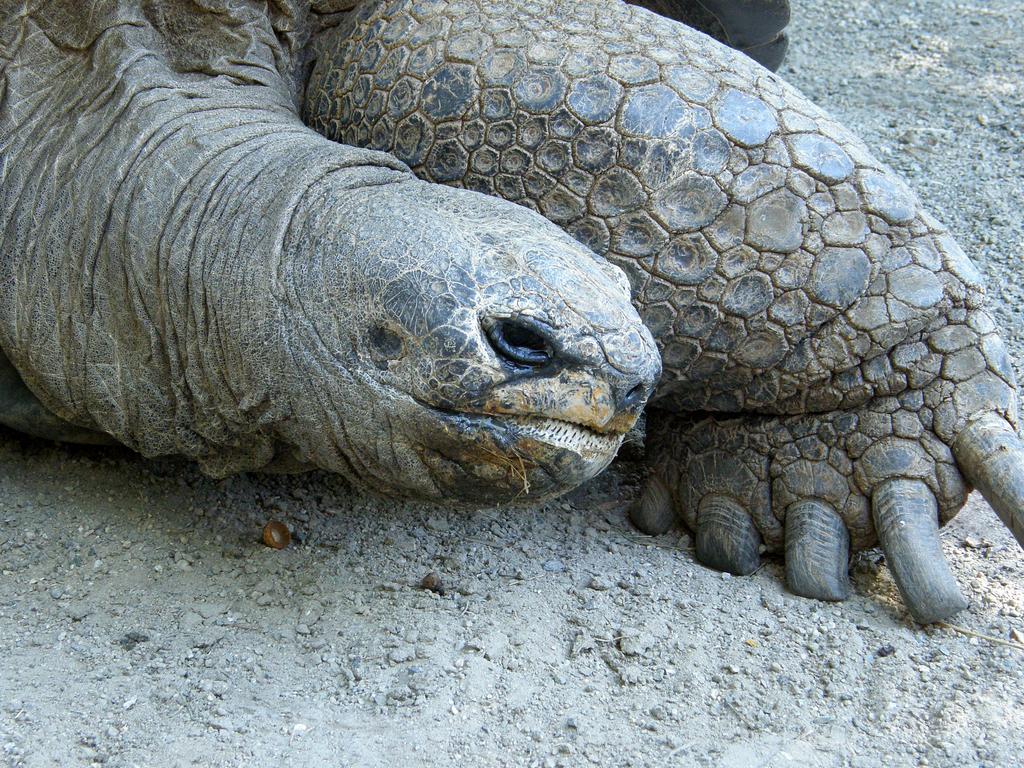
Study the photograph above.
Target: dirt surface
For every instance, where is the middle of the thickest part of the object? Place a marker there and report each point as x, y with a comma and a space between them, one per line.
143, 623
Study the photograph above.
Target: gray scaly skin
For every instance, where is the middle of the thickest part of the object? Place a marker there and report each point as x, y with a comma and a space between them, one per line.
189, 269
825, 345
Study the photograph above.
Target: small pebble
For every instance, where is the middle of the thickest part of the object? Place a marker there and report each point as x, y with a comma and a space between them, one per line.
79, 611
438, 524
132, 639
402, 655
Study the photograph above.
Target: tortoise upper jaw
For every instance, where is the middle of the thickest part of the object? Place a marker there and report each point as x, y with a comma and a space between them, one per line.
570, 398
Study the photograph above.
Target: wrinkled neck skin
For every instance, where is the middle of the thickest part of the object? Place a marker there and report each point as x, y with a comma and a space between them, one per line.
186, 267
206, 179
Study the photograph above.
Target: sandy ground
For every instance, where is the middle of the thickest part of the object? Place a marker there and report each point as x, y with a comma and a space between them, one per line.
142, 622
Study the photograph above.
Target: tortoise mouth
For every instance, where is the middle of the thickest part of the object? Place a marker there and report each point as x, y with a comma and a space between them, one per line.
565, 435
486, 458
512, 430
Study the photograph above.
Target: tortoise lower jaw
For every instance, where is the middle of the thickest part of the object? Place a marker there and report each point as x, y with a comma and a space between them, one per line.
488, 459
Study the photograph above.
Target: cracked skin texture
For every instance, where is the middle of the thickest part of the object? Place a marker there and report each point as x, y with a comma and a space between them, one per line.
190, 269
827, 356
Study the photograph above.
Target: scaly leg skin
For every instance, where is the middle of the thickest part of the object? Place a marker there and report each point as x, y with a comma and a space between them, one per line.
832, 370
817, 485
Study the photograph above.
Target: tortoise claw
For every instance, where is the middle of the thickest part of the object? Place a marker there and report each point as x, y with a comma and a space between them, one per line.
991, 457
906, 519
727, 538
653, 512
817, 551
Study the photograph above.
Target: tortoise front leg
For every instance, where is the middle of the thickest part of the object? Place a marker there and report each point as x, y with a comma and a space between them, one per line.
824, 339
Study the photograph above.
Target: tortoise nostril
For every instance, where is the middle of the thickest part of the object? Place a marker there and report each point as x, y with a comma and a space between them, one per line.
518, 343
634, 395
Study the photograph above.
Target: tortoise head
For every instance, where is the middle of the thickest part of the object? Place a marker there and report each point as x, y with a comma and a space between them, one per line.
456, 346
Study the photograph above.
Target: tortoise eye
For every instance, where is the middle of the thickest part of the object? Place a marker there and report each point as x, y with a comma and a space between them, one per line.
518, 343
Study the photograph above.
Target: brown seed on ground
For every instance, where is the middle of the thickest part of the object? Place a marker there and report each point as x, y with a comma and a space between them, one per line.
432, 581
276, 535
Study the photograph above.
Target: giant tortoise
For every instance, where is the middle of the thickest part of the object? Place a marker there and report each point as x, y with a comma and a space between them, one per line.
445, 247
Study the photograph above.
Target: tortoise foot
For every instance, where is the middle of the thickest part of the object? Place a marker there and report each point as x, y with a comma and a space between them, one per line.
816, 486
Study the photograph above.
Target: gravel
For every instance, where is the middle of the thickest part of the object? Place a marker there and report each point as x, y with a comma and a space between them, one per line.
143, 622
